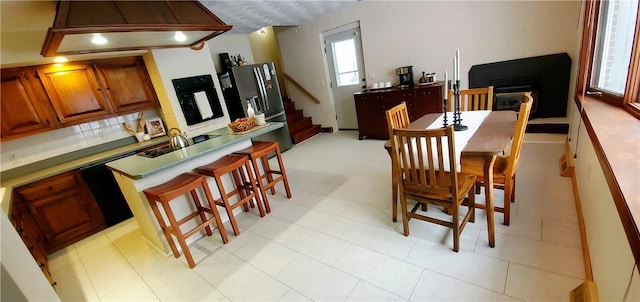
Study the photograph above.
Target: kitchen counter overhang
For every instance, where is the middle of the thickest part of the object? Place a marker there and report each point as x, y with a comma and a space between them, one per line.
138, 167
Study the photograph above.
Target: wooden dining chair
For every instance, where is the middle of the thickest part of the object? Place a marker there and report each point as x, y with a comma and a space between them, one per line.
426, 160
397, 117
472, 99
504, 169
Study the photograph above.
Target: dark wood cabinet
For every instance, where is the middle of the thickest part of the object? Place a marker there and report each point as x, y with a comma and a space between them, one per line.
372, 104
25, 111
74, 92
127, 84
62, 209
31, 236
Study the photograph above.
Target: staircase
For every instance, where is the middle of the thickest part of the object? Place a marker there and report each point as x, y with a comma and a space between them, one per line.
300, 127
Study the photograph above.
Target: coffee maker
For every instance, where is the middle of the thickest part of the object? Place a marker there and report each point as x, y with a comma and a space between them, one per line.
406, 76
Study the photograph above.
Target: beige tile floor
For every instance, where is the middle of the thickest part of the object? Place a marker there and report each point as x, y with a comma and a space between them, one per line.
334, 241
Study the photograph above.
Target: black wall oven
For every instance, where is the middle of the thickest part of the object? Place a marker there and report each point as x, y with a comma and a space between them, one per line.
198, 99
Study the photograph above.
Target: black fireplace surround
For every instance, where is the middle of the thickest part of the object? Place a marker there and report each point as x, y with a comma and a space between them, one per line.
547, 77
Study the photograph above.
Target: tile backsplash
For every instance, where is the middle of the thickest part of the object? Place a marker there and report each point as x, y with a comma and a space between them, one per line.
19, 152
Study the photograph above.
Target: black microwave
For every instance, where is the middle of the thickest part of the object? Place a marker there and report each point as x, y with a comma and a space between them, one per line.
198, 99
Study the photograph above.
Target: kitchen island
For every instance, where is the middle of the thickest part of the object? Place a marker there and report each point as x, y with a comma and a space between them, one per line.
136, 173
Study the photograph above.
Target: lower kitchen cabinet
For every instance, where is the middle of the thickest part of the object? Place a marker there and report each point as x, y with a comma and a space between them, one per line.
31, 236
60, 209
371, 107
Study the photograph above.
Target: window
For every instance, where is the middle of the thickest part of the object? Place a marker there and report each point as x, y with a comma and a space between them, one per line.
346, 62
610, 54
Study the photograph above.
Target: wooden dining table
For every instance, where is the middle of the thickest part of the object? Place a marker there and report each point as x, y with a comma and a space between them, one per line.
490, 139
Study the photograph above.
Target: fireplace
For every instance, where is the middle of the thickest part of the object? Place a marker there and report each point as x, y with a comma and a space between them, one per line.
547, 77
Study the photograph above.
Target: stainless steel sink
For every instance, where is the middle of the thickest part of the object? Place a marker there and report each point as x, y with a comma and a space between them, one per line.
152, 153
156, 152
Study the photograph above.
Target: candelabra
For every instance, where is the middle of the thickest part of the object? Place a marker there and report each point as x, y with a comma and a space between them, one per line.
457, 119
445, 124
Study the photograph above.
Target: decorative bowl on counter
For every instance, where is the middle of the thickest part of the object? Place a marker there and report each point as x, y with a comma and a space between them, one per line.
242, 124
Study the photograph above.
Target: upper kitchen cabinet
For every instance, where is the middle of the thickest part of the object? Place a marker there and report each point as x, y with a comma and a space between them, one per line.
25, 110
74, 92
127, 84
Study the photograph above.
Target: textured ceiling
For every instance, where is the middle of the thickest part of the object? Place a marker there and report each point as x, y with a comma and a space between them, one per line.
249, 16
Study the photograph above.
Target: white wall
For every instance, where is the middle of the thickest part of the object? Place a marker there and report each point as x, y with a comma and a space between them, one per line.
233, 44
425, 34
175, 63
611, 258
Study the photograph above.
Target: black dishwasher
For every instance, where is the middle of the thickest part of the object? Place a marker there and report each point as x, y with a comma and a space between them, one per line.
106, 191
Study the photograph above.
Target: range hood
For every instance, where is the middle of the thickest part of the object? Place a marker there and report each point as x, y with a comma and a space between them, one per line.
82, 27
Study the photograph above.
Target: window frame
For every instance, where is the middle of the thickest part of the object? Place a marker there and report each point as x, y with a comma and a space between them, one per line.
630, 100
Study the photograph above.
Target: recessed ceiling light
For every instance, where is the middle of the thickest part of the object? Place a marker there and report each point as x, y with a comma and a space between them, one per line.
180, 37
98, 39
60, 60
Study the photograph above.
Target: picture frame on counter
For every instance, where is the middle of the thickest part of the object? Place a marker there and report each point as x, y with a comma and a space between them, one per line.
155, 127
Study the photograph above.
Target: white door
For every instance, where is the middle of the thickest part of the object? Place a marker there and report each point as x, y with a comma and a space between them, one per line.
346, 69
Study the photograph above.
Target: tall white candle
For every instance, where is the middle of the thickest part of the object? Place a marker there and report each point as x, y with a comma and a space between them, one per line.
446, 85
455, 64
458, 62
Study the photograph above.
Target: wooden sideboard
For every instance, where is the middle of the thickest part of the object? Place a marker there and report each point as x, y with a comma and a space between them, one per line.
372, 104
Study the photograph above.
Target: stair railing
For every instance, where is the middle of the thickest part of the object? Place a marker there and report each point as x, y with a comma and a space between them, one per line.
305, 91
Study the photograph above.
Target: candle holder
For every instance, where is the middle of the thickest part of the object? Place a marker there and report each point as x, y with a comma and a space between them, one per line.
457, 119
445, 124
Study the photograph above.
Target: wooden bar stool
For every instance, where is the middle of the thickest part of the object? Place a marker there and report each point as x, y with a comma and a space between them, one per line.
260, 150
166, 192
243, 181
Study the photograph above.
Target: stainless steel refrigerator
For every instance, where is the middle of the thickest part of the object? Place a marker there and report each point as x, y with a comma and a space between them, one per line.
258, 84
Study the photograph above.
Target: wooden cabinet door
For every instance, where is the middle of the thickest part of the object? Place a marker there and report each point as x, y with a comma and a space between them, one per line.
370, 110
367, 107
31, 235
23, 110
74, 93
127, 84
63, 208
427, 100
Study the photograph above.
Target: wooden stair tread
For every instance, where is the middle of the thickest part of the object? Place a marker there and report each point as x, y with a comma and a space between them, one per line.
305, 134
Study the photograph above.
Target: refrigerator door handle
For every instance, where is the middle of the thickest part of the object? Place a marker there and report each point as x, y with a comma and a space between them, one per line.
256, 73
265, 100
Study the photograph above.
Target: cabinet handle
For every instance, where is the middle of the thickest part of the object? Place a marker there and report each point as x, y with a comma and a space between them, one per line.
41, 265
54, 283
